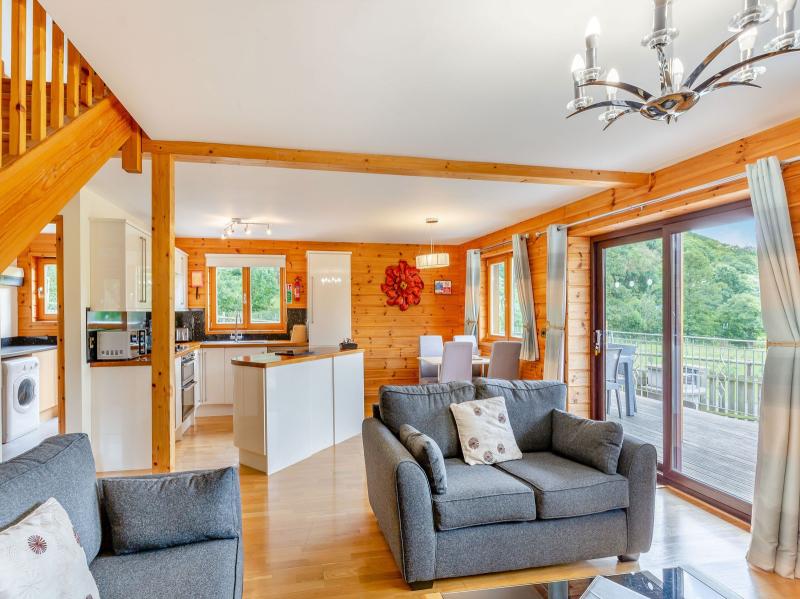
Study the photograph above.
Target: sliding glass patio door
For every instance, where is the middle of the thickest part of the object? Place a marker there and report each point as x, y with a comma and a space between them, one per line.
679, 342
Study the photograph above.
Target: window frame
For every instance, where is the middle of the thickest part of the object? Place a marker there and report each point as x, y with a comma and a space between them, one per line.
213, 326
507, 259
37, 270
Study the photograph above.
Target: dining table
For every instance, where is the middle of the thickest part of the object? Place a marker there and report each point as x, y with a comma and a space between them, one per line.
477, 360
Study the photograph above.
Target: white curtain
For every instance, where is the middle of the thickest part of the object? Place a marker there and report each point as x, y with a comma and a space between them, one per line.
521, 271
472, 293
556, 303
775, 526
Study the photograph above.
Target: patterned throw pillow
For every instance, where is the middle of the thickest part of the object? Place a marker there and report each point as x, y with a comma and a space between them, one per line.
41, 557
485, 432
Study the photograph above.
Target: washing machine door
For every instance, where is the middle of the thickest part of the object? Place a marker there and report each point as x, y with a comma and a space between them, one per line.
25, 394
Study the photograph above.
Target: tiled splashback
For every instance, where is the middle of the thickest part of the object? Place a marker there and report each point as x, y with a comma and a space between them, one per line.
195, 321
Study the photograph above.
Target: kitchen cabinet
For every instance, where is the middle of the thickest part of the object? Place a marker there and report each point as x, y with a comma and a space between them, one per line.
121, 278
181, 280
48, 381
213, 375
230, 354
177, 399
329, 303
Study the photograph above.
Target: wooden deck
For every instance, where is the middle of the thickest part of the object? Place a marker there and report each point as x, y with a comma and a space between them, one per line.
718, 451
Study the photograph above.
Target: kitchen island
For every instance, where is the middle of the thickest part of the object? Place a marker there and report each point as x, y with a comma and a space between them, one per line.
286, 408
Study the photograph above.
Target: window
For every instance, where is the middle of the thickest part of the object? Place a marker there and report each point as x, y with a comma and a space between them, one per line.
505, 316
46, 289
248, 297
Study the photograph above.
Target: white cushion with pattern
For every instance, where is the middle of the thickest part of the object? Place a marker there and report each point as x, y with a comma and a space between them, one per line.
485, 432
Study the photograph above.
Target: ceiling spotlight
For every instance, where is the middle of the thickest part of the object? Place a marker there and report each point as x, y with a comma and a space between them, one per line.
237, 225
269, 229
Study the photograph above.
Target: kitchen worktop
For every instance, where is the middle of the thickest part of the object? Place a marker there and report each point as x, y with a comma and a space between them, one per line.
248, 343
189, 346
15, 351
269, 360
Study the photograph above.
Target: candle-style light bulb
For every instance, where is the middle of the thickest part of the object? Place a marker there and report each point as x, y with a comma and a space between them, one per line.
612, 77
592, 37
578, 65
676, 72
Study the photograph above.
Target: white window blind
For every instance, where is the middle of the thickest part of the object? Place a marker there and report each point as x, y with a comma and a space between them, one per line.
244, 260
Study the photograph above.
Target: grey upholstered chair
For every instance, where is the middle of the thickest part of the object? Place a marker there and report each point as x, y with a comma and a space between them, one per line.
612, 380
504, 361
456, 362
429, 346
477, 369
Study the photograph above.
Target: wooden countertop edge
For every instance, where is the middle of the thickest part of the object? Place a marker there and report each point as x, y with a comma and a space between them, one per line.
268, 343
292, 360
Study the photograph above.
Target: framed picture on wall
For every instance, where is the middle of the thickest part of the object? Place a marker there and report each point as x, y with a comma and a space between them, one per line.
443, 287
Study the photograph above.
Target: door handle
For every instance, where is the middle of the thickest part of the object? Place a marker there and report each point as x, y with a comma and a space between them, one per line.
598, 342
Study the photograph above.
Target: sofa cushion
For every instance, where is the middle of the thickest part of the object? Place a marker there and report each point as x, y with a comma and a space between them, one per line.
427, 454
60, 467
197, 571
564, 488
590, 442
479, 495
154, 512
529, 405
484, 431
427, 409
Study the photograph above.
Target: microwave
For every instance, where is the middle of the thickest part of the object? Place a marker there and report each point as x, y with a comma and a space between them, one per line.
121, 345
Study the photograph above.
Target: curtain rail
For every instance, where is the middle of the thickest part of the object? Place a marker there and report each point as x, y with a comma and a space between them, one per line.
501, 244
660, 199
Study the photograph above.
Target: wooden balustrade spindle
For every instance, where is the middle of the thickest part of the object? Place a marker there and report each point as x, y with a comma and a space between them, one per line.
39, 83
57, 79
17, 109
73, 81
87, 79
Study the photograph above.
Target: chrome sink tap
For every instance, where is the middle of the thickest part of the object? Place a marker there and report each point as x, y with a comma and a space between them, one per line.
237, 335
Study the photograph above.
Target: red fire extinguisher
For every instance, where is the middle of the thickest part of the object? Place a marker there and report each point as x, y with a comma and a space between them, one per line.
298, 288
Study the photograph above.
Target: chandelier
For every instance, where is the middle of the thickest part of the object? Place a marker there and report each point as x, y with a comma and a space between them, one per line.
678, 94
238, 225
432, 260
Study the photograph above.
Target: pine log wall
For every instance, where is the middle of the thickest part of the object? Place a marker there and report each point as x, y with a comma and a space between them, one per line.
389, 336
43, 246
782, 141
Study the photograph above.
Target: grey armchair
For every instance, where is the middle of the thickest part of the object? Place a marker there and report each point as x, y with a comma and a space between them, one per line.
211, 567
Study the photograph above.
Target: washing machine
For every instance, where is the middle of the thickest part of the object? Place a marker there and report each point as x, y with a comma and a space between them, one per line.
20, 396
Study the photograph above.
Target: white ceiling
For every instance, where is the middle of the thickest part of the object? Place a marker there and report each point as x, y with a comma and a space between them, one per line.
461, 79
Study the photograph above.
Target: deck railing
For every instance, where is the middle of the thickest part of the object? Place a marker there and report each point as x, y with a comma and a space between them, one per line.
719, 375
34, 107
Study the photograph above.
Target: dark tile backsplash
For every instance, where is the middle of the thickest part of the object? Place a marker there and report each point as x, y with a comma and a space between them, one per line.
195, 320
41, 340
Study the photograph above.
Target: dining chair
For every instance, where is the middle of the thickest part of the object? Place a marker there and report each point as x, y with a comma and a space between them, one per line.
504, 361
456, 362
613, 385
429, 346
477, 369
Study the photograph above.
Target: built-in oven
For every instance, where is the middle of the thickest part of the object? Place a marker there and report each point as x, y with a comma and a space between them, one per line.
188, 383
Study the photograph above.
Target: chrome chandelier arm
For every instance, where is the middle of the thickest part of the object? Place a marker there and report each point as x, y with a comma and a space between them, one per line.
636, 91
621, 103
714, 53
732, 69
614, 119
725, 84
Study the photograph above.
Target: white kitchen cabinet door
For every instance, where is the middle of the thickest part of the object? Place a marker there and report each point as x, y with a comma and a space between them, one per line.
230, 353
329, 302
214, 375
177, 400
181, 280
120, 274
348, 396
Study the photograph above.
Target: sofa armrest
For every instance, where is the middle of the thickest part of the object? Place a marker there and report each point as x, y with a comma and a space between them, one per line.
638, 462
163, 510
400, 497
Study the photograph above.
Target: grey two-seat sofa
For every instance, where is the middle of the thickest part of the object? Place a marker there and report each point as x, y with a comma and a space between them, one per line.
541, 510
63, 467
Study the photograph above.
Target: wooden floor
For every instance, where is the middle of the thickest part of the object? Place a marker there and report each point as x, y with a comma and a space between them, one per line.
309, 532
717, 450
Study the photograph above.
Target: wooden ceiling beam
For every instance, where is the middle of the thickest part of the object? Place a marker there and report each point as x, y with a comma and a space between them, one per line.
34, 187
189, 151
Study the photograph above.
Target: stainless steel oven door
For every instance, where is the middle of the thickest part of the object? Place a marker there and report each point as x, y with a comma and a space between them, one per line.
187, 368
188, 398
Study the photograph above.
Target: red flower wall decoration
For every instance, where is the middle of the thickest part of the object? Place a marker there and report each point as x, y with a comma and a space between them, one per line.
403, 286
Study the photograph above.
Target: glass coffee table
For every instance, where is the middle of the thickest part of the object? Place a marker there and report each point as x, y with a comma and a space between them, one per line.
681, 582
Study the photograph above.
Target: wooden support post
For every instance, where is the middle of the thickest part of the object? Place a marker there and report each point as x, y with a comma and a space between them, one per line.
73, 81
57, 79
17, 109
132, 152
39, 83
163, 315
